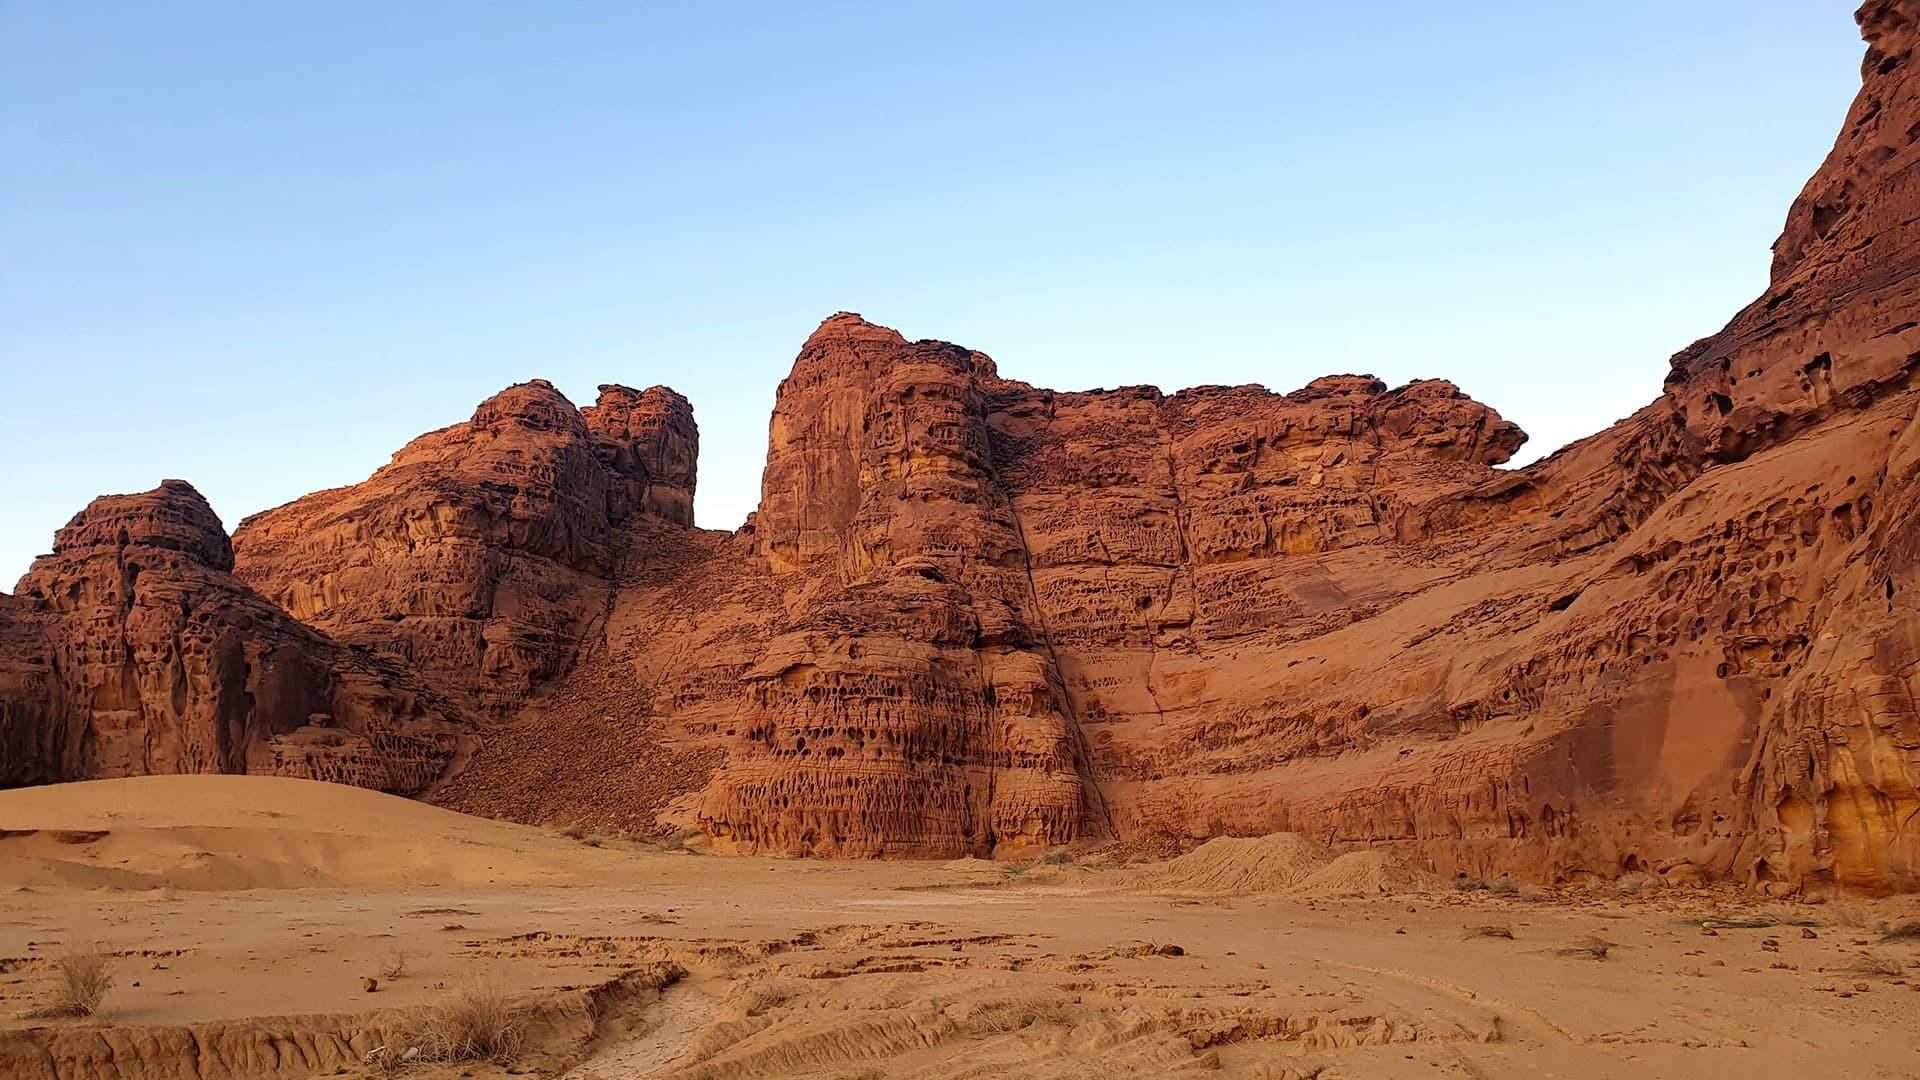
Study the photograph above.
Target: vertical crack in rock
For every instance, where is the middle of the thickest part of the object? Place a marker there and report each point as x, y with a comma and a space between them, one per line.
908, 707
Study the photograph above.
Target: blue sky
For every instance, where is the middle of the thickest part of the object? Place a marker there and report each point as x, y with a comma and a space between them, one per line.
260, 246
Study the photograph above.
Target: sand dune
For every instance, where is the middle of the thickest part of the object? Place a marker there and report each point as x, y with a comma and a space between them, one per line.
1280, 863
233, 833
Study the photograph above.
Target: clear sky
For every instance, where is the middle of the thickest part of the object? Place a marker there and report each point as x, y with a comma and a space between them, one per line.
260, 246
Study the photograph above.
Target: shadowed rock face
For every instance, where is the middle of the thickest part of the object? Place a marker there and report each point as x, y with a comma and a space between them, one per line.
132, 649
972, 616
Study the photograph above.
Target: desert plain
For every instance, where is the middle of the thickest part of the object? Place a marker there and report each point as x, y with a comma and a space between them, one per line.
243, 917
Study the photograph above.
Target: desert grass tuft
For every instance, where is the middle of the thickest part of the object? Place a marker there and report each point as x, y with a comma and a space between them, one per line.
1490, 932
393, 965
83, 976
1587, 948
1014, 1014
480, 1022
1874, 965
1847, 914
1763, 920
1634, 884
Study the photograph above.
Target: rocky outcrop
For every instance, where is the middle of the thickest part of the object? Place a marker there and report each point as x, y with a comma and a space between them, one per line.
132, 649
908, 704
481, 555
650, 447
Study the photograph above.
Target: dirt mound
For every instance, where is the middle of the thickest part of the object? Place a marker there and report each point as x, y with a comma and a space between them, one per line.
1234, 865
259, 832
1359, 873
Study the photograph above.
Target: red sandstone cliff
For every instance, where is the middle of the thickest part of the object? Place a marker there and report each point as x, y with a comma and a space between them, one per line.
975, 616
131, 649
481, 555
1683, 645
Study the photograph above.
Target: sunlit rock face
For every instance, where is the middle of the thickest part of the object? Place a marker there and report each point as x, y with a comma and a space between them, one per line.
482, 554
1685, 645
973, 616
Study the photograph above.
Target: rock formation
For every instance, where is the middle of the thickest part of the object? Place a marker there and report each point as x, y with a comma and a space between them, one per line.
132, 649
481, 555
1684, 645
973, 616
909, 703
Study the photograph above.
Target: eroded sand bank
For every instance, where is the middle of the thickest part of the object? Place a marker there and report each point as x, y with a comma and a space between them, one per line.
244, 915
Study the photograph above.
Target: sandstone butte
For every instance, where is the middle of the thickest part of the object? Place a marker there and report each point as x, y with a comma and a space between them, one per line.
972, 616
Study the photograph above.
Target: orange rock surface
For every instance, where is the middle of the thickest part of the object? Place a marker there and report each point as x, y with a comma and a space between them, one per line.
481, 555
973, 616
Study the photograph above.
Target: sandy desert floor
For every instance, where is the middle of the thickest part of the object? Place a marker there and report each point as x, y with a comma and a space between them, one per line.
244, 916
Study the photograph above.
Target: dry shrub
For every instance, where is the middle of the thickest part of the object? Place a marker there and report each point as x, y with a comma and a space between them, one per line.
1587, 948
678, 843
84, 975
393, 965
1635, 883
1465, 882
1490, 932
1874, 965
1906, 931
1014, 1014
1790, 915
1845, 913
480, 1022
571, 832
390, 1060
1504, 886
1762, 920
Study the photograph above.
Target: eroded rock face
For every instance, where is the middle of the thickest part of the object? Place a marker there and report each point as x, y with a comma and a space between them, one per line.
482, 554
647, 442
973, 616
1685, 645
131, 649
979, 575
907, 704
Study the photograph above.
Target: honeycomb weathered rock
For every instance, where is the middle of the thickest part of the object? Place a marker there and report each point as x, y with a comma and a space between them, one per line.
132, 649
